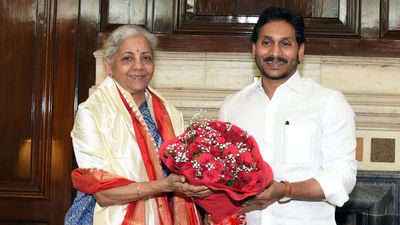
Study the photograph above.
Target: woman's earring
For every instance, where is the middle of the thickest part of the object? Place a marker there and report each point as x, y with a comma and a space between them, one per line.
110, 75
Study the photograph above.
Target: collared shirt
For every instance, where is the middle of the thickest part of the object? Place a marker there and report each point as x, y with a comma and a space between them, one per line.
304, 131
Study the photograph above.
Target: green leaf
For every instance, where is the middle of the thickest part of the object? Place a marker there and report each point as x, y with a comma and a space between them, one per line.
230, 183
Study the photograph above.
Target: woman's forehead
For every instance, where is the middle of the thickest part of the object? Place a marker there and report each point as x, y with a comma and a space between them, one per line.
136, 43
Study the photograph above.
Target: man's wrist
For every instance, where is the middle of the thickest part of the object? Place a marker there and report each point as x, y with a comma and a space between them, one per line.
287, 197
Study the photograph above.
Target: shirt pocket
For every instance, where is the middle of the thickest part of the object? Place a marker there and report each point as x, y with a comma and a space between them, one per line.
298, 141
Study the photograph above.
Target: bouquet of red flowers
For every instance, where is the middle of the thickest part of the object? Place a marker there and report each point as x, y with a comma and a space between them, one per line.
223, 157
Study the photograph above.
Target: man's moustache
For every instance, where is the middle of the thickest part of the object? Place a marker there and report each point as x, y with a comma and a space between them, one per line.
275, 59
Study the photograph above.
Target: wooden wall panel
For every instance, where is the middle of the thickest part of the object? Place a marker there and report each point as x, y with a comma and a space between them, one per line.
38, 39
22, 223
20, 92
10, 142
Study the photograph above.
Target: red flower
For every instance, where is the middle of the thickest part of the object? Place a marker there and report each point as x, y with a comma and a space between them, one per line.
252, 181
215, 151
189, 171
223, 157
199, 139
211, 176
170, 163
226, 176
218, 125
245, 158
231, 150
199, 131
194, 148
205, 158
220, 140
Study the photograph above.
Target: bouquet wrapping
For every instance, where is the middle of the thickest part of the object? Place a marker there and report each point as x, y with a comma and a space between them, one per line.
223, 157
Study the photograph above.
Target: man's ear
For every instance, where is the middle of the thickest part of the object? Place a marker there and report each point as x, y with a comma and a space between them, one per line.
300, 53
253, 50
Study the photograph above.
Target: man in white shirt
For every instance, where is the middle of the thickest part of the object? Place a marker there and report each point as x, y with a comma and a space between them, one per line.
305, 132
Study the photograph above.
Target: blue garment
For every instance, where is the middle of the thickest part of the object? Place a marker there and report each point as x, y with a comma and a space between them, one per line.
144, 109
81, 211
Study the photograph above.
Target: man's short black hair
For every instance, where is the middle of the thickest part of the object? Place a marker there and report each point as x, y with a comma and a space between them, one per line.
276, 14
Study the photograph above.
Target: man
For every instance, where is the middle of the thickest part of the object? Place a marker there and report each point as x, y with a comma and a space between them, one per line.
305, 132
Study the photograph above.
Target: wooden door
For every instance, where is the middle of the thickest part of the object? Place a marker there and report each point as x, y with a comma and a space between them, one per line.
37, 75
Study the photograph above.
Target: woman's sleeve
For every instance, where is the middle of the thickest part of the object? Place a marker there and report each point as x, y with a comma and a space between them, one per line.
89, 148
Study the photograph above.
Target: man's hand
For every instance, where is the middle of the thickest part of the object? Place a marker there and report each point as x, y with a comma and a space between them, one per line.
308, 190
261, 201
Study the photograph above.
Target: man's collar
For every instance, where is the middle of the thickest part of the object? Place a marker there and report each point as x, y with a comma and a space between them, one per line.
257, 84
293, 83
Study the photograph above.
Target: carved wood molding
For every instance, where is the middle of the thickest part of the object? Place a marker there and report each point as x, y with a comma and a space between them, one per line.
226, 19
314, 46
139, 11
385, 31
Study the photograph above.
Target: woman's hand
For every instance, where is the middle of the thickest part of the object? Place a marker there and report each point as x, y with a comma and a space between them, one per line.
177, 183
142, 190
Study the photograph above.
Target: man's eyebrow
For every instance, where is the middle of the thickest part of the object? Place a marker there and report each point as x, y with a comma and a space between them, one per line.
272, 38
266, 36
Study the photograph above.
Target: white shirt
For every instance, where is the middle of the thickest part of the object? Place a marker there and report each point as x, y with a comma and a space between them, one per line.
305, 131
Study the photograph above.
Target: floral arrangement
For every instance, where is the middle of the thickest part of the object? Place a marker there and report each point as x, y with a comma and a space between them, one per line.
223, 157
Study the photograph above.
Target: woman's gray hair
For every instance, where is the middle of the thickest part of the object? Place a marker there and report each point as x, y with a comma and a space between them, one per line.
123, 32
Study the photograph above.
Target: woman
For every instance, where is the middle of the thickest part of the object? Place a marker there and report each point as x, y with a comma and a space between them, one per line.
116, 135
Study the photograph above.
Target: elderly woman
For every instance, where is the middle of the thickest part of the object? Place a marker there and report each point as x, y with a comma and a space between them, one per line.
116, 136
